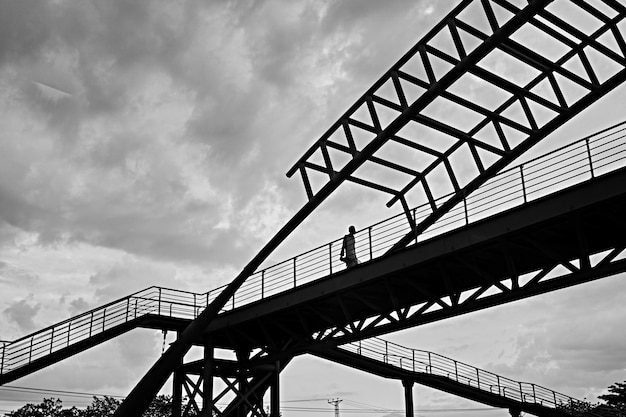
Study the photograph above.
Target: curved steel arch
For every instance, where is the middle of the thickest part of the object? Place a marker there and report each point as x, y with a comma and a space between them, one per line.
504, 19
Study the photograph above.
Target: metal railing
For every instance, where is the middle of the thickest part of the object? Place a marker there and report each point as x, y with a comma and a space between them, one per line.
575, 163
580, 161
424, 362
154, 300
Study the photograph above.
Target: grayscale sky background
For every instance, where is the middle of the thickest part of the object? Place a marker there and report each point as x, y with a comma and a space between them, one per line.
146, 143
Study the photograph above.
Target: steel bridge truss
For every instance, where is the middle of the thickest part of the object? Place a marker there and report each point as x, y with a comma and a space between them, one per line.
210, 382
425, 105
449, 100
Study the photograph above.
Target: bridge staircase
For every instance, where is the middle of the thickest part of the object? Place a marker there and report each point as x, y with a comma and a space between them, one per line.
394, 361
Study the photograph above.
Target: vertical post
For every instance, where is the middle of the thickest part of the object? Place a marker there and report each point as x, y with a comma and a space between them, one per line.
415, 223
294, 271
589, 156
386, 351
135, 308
521, 173
195, 311
177, 391
430, 365
51, 339
69, 330
534, 394
465, 208
413, 351
127, 307
30, 350
4, 348
330, 257
159, 305
275, 395
408, 397
521, 393
91, 324
207, 391
369, 237
104, 316
477, 378
263, 283
456, 371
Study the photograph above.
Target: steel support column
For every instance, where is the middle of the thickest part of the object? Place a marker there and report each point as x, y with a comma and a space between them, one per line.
408, 397
177, 393
275, 392
208, 373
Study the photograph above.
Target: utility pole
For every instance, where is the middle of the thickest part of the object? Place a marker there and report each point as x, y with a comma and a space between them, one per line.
335, 403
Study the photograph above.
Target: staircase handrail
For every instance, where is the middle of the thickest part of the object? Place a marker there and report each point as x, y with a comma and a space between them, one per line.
426, 362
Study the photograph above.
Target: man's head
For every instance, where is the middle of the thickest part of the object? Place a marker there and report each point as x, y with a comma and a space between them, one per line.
352, 230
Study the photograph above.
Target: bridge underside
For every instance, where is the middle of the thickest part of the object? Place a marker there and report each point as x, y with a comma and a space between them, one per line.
565, 239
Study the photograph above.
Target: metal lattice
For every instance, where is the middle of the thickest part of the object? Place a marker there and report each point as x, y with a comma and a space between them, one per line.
476, 89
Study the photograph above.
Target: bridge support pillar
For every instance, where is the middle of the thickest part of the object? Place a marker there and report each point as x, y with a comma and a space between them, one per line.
515, 412
178, 379
408, 397
275, 392
207, 380
177, 393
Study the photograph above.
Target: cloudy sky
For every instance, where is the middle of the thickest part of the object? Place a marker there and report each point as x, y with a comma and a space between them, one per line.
146, 143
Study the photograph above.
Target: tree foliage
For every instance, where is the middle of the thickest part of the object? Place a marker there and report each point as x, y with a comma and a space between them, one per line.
616, 398
161, 406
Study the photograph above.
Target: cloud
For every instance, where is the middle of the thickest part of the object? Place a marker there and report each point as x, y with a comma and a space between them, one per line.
16, 276
22, 313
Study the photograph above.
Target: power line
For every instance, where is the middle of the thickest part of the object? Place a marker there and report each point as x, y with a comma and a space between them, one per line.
363, 407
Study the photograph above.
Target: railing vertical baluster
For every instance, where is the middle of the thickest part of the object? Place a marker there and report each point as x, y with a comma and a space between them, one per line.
294, 271
330, 257
415, 222
263, 282
386, 352
51, 339
159, 305
127, 307
498, 382
369, 237
194, 306
464, 208
4, 348
554, 393
90, 324
521, 173
135, 307
534, 394
477, 378
104, 315
413, 352
30, 350
589, 156
521, 393
430, 365
69, 330
456, 371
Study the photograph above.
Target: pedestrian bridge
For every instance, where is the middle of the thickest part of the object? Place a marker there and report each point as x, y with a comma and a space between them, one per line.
553, 222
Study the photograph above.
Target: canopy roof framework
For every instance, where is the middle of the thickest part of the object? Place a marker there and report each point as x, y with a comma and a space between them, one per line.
454, 110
